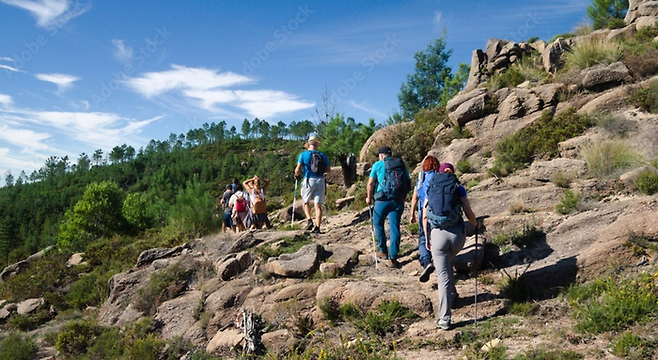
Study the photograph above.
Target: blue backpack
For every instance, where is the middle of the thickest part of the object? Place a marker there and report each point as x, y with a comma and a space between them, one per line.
396, 184
444, 205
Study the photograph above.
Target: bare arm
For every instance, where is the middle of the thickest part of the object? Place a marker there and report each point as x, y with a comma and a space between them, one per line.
369, 189
298, 170
414, 206
469, 212
424, 225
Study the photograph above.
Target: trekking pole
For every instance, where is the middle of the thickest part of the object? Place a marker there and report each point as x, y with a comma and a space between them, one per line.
374, 246
479, 219
294, 198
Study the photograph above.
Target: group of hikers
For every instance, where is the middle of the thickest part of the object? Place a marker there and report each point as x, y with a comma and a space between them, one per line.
437, 204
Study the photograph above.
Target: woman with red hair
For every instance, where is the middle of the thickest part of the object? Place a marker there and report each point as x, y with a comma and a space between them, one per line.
430, 167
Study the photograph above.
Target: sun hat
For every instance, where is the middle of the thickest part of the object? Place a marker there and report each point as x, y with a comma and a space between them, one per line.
385, 150
312, 141
445, 166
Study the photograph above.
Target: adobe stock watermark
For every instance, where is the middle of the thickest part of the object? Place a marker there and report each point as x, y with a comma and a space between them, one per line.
32, 48
139, 57
280, 35
368, 64
521, 33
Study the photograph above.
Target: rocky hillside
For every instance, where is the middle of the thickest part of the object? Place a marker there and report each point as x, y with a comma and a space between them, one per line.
239, 290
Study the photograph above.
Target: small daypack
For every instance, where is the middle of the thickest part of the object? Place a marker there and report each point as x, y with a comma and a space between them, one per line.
318, 165
260, 206
240, 205
444, 205
396, 184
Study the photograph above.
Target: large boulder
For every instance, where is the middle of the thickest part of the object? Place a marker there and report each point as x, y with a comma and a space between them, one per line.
149, 256
233, 265
476, 76
177, 315
546, 170
341, 261
601, 77
469, 110
300, 264
29, 306
552, 55
381, 137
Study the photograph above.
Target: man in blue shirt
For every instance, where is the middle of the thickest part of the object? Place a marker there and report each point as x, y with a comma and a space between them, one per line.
313, 184
391, 207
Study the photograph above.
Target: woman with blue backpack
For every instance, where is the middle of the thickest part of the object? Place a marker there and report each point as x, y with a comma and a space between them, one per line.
431, 166
442, 220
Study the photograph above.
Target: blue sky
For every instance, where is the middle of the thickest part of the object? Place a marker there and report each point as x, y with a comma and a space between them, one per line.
76, 75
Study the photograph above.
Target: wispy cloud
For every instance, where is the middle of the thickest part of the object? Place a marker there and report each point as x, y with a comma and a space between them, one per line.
6, 100
32, 136
211, 90
4, 58
7, 67
122, 52
63, 81
367, 109
49, 12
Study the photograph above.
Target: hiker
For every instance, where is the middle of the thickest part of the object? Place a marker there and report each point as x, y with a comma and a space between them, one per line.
393, 185
236, 185
312, 166
228, 210
257, 189
430, 167
240, 206
446, 234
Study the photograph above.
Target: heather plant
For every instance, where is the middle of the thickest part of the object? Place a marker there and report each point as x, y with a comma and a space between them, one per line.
646, 98
17, 347
647, 182
629, 345
568, 203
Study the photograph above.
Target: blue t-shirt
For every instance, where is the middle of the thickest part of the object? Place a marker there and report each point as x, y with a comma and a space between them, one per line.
305, 160
379, 170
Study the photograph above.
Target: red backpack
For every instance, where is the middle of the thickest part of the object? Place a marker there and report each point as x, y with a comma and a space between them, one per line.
240, 205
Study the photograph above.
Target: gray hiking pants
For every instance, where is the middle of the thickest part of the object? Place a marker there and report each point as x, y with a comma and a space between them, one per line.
445, 245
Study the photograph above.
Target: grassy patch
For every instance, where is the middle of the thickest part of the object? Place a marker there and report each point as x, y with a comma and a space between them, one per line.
528, 235
378, 322
562, 179
539, 140
590, 53
524, 309
568, 203
613, 305
516, 288
543, 354
606, 158
629, 345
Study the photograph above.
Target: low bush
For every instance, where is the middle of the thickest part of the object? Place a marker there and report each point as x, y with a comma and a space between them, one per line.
562, 179
647, 182
629, 345
17, 347
388, 313
640, 243
456, 132
76, 337
544, 354
613, 305
163, 285
568, 203
609, 157
465, 167
89, 290
615, 125
528, 235
646, 98
539, 140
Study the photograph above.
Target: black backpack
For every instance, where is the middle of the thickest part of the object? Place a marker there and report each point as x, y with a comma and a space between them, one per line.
396, 184
318, 165
444, 205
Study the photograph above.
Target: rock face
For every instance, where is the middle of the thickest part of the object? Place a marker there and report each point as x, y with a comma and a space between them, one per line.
298, 265
602, 77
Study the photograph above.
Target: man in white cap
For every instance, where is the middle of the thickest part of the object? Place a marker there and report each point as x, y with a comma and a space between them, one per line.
312, 165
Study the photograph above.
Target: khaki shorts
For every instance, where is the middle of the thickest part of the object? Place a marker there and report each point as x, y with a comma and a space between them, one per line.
313, 188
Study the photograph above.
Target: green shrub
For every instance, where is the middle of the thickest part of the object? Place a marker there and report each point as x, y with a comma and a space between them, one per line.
646, 98
590, 53
138, 212
568, 203
414, 229
90, 290
76, 337
632, 346
193, 213
330, 310
27, 322
562, 179
456, 132
388, 313
605, 158
16, 347
40, 278
639, 243
413, 140
647, 182
539, 140
524, 309
516, 288
608, 305
542, 354
465, 167
109, 344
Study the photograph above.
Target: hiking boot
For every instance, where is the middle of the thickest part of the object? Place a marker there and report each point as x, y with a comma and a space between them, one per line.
427, 271
309, 224
394, 263
316, 230
382, 255
443, 324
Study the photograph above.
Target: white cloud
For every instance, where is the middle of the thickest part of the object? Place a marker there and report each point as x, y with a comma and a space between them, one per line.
7, 67
121, 52
184, 78
49, 12
63, 81
4, 58
209, 90
6, 100
367, 109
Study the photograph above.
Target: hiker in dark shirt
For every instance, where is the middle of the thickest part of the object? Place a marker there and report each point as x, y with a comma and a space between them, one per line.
226, 197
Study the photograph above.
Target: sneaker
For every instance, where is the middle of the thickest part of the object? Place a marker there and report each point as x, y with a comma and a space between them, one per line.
427, 271
316, 230
309, 224
394, 263
382, 255
443, 324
